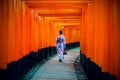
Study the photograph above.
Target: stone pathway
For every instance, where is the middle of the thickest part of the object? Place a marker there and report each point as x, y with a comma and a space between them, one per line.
55, 70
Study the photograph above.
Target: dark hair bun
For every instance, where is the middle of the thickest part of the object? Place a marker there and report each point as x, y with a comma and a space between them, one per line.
60, 31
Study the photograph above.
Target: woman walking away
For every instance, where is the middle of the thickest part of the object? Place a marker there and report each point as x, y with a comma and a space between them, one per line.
60, 45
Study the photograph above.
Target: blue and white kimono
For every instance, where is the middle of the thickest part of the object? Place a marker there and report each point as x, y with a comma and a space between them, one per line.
60, 46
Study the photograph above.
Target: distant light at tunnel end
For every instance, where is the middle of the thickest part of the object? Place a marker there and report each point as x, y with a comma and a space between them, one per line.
62, 27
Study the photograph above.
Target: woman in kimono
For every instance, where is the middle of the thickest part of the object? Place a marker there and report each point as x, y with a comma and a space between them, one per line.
60, 45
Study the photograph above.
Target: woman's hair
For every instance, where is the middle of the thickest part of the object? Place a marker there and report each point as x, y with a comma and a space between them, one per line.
60, 32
